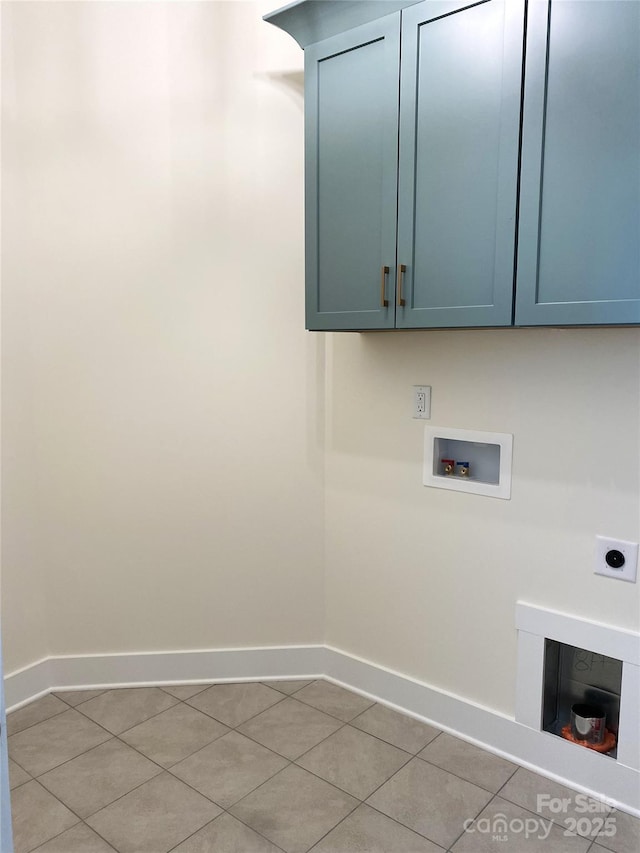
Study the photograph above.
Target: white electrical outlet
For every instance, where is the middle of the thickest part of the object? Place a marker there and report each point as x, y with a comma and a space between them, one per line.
616, 558
422, 402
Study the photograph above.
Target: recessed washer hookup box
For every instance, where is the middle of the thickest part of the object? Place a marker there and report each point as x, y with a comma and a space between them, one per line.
468, 461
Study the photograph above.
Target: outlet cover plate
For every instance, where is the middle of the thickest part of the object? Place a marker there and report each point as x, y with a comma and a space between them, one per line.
628, 572
422, 402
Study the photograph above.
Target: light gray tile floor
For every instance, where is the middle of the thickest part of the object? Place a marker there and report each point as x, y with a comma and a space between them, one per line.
290, 728
98, 777
174, 734
35, 712
234, 704
397, 729
468, 761
17, 775
281, 767
354, 761
119, 710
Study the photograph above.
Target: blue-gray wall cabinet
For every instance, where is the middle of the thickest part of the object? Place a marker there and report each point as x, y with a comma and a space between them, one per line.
461, 83
579, 235
351, 156
422, 144
449, 187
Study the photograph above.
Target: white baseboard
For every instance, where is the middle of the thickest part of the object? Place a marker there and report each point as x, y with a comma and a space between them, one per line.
582, 769
29, 683
140, 669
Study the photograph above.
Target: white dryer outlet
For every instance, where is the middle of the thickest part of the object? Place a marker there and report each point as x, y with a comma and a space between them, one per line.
616, 558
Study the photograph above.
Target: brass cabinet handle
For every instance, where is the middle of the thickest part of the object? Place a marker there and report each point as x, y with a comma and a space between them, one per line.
402, 268
384, 302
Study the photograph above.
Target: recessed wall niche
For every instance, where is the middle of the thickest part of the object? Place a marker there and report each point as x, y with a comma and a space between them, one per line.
564, 659
575, 675
470, 461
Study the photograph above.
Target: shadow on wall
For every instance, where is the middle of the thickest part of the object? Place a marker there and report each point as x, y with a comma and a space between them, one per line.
290, 82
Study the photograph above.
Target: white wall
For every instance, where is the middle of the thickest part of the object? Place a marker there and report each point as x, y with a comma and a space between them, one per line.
165, 412
424, 581
163, 466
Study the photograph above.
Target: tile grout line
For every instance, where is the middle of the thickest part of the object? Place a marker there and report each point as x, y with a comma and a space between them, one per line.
474, 819
47, 840
115, 849
253, 716
390, 817
297, 758
69, 760
335, 785
457, 776
59, 694
81, 823
33, 725
165, 689
117, 734
413, 754
297, 690
180, 760
215, 803
328, 713
21, 768
341, 821
233, 817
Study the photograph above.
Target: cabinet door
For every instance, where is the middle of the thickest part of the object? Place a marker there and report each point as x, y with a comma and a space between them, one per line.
351, 144
579, 241
459, 135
